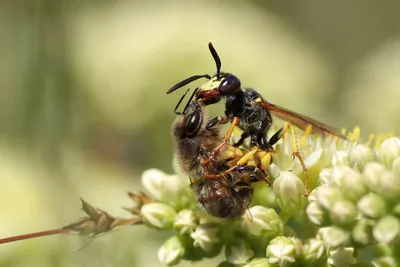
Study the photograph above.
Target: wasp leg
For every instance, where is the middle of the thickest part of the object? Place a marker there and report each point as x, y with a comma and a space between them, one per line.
241, 140
295, 148
227, 137
217, 120
255, 174
241, 162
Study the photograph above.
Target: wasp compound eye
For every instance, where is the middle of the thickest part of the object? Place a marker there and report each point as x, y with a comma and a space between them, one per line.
193, 123
229, 85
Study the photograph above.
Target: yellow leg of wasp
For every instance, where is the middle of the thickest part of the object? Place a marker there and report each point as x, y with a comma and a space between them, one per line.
227, 137
265, 162
296, 151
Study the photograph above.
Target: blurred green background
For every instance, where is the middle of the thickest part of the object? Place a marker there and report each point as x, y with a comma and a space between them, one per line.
83, 109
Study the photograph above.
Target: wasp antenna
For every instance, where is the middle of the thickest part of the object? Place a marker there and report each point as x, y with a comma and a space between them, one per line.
216, 57
179, 103
190, 99
187, 81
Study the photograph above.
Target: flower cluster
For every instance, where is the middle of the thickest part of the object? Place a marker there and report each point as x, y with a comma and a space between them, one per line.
357, 202
355, 206
353, 210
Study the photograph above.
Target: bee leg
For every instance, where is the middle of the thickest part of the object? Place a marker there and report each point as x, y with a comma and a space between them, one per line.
215, 121
227, 137
295, 148
242, 162
256, 174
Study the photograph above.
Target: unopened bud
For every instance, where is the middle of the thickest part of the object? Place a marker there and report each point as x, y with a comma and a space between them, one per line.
333, 236
185, 222
316, 214
341, 257
350, 182
360, 155
152, 180
389, 151
343, 213
281, 251
362, 231
205, 237
239, 253
372, 206
386, 229
289, 192
171, 252
313, 250
177, 193
158, 215
326, 196
325, 177
264, 222
382, 181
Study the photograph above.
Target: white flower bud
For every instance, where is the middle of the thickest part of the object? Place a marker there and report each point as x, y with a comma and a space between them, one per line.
185, 221
325, 177
333, 236
360, 155
341, 257
205, 237
158, 215
171, 252
264, 222
350, 182
343, 213
239, 253
312, 197
177, 193
289, 192
362, 231
152, 180
281, 251
372, 205
382, 181
313, 250
386, 229
316, 214
389, 150
326, 196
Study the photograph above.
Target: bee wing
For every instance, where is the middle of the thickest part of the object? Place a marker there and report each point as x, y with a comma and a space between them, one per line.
247, 211
299, 120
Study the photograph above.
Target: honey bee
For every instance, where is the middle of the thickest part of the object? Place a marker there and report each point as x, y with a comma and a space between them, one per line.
220, 176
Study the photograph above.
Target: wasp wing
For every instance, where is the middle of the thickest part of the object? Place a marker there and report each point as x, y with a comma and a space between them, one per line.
299, 120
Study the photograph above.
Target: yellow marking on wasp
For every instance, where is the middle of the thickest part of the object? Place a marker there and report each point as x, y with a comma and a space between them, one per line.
211, 84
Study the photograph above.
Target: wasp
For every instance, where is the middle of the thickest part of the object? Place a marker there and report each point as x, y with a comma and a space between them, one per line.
222, 179
250, 111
